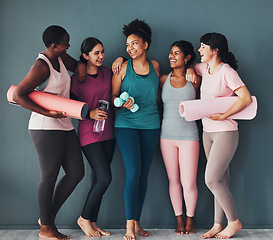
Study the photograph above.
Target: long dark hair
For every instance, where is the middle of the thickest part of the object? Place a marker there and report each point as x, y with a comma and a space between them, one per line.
219, 41
187, 49
87, 45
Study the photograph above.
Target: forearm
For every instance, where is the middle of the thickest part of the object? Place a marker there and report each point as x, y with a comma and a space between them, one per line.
240, 105
70, 62
26, 102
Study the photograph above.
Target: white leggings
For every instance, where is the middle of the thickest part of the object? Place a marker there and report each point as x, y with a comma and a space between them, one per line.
181, 162
219, 149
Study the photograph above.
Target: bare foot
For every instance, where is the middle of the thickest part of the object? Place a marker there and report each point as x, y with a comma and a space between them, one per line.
140, 231
47, 232
180, 229
53, 226
230, 230
130, 230
87, 228
190, 228
102, 232
213, 231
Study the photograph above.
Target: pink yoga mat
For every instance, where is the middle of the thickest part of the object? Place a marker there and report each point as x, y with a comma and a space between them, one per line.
202, 108
72, 108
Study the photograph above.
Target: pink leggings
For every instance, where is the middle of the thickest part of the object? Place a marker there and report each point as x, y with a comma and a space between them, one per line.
181, 161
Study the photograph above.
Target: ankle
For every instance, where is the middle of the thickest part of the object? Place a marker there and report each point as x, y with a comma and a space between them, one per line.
131, 223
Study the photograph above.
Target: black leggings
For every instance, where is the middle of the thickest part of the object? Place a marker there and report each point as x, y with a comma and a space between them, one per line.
99, 155
56, 149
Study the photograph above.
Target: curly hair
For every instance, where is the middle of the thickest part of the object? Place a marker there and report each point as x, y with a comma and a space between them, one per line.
139, 28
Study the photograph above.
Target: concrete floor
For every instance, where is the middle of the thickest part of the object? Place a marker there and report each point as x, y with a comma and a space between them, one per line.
117, 234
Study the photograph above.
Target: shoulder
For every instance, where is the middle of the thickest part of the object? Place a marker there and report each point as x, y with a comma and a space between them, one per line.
41, 66
162, 80
155, 64
229, 72
40, 62
227, 68
74, 78
106, 70
120, 76
200, 67
123, 68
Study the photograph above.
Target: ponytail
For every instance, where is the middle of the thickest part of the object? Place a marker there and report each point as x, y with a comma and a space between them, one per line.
229, 59
83, 60
219, 41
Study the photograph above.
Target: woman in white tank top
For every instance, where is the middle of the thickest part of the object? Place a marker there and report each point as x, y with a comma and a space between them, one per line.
52, 133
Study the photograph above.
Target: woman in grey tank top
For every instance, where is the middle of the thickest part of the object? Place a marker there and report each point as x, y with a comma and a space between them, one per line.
179, 138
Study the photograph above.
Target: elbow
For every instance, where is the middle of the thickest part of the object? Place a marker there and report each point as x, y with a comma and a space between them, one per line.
249, 100
15, 96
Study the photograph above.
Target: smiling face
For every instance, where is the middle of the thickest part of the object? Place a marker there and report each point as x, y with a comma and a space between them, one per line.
176, 57
96, 56
206, 53
63, 45
135, 46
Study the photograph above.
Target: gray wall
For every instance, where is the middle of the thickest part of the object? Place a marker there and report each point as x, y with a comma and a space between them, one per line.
248, 27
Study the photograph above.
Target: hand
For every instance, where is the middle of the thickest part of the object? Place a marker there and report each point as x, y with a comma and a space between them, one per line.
116, 66
128, 104
56, 114
97, 114
191, 75
81, 72
217, 117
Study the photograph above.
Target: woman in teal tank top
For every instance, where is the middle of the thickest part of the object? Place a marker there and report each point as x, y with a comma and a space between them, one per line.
137, 132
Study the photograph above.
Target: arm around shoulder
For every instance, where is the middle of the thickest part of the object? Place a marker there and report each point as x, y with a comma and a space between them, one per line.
117, 80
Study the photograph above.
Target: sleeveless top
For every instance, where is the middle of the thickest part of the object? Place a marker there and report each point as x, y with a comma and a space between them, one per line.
58, 84
144, 89
174, 126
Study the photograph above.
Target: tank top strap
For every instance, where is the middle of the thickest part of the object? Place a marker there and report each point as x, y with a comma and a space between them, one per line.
130, 69
152, 69
168, 80
62, 66
42, 56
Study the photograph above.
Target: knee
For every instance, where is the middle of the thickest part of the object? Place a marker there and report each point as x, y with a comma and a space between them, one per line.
132, 180
189, 186
174, 182
77, 176
105, 182
48, 180
210, 182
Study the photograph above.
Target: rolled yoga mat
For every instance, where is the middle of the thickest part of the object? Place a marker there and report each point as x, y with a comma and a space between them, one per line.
201, 108
72, 108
